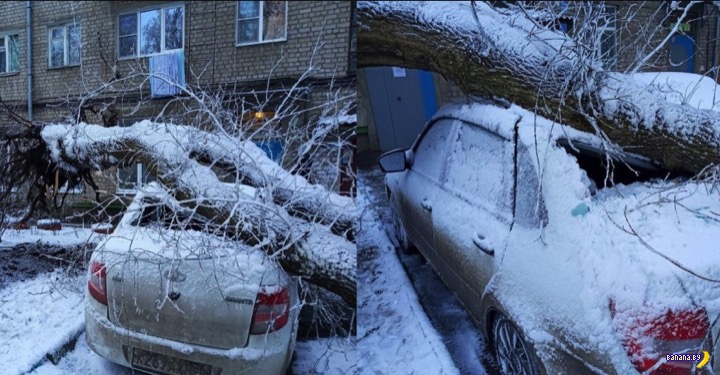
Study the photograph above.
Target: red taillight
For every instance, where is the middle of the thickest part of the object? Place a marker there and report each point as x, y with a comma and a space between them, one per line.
97, 282
648, 339
272, 310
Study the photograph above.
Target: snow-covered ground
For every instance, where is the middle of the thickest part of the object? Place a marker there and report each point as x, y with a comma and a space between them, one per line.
41, 312
395, 335
383, 273
331, 356
36, 317
67, 236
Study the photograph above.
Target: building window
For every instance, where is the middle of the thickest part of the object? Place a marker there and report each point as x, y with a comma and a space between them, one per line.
64, 45
607, 42
135, 175
261, 22
132, 177
9, 53
151, 32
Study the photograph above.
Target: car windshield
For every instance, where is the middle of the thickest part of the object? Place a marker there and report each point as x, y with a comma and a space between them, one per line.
604, 169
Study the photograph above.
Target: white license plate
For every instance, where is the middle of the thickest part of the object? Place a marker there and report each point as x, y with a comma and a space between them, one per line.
163, 364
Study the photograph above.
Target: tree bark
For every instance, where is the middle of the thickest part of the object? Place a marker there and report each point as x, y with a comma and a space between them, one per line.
494, 53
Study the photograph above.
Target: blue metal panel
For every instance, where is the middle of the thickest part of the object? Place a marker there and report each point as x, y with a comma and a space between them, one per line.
682, 53
427, 85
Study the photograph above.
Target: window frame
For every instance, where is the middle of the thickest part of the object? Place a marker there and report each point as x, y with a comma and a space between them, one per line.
260, 25
6, 46
452, 130
162, 8
140, 167
66, 44
523, 214
608, 62
138, 179
507, 146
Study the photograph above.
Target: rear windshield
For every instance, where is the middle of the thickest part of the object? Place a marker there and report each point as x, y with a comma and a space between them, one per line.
606, 170
154, 214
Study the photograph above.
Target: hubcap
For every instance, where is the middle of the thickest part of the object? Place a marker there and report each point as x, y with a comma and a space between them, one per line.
512, 354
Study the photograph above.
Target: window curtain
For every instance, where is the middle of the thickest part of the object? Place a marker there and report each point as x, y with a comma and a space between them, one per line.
167, 74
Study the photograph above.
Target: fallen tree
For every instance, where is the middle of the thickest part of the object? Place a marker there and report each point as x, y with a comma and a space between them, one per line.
203, 156
303, 240
502, 52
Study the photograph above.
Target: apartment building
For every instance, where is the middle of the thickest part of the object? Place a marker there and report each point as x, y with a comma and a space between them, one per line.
117, 62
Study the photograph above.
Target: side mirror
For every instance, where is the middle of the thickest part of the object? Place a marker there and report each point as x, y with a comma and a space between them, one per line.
393, 161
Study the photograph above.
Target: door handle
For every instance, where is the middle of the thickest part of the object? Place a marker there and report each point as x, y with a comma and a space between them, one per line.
479, 241
426, 205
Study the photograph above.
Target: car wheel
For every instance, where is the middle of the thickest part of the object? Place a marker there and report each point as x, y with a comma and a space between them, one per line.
403, 240
512, 353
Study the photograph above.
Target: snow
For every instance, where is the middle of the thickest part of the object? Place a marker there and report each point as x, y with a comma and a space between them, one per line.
82, 360
330, 356
650, 231
67, 236
507, 34
340, 119
171, 146
394, 334
644, 229
690, 89
37, 316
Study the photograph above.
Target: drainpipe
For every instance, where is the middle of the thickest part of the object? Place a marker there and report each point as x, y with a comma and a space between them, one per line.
29, 61
717, 45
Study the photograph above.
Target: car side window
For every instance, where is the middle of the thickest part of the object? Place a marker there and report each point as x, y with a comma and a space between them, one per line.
480, 169
430, 153
529, 206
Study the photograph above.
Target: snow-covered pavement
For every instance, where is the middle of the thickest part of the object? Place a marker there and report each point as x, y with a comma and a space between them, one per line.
331, 356
38, 316
395, 335
383, 274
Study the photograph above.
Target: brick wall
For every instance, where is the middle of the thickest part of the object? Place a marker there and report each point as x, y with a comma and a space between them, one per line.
642, 26
211, 54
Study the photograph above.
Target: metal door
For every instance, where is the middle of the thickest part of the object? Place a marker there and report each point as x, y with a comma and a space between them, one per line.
402, 100
682, 53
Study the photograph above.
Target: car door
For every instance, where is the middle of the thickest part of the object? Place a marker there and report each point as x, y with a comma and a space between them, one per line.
473, 213
418, 186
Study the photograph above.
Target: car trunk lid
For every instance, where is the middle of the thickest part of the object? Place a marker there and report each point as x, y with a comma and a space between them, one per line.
204, 300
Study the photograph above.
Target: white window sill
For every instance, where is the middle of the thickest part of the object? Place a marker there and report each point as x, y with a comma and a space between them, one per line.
145, 56
263, 42
126, 191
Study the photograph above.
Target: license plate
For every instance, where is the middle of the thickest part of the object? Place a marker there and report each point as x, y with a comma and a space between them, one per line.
162, 364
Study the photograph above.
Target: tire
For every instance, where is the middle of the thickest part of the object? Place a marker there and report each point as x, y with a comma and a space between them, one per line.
404, 243
512, 353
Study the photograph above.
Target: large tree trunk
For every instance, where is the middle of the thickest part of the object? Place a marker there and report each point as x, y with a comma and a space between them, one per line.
500, 53
303, 241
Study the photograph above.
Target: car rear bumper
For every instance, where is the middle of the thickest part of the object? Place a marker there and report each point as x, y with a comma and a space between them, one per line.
264, 354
